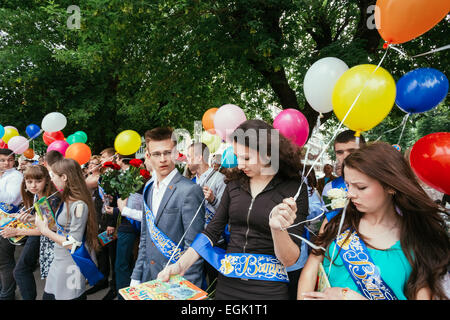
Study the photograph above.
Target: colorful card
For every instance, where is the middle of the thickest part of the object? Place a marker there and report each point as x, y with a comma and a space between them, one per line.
42, 207
177, 288
5, 218
18, 225
322, 282
105, 238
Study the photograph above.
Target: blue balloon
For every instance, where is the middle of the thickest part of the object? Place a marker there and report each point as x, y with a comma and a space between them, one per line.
2, 131
421, 90
33, 131
229, 159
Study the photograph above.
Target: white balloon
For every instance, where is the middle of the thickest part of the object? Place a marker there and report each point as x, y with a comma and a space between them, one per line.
54, 121
319, 82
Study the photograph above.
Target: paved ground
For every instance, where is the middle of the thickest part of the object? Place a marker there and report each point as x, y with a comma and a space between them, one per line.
40, 284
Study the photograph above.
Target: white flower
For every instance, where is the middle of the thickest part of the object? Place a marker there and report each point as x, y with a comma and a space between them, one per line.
337, 203
336, 194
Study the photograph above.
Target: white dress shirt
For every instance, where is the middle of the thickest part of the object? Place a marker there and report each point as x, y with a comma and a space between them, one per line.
10, 183
159, 188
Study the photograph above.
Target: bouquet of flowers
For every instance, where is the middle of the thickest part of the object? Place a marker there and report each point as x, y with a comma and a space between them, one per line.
336, 198
109, 178
123, 183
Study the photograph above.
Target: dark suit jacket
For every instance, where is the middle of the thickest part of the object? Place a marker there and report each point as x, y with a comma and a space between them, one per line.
176, 211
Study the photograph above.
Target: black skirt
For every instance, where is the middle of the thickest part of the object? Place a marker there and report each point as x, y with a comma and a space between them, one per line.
239, 289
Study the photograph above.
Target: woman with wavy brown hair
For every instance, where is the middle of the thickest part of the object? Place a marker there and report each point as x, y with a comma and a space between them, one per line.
257, 204
391, 215
76, 226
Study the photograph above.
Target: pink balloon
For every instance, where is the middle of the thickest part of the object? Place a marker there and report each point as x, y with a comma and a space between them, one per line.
227, 119
293, 125
18, 144
59, 145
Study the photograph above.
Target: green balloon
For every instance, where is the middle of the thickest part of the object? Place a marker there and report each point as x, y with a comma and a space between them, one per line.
83, 135
74, 138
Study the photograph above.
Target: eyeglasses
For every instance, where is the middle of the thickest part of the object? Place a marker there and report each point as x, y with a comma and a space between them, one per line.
158, 154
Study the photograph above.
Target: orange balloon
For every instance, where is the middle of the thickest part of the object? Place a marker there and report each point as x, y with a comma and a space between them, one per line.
208, 119
29, 153
79, 152
399, 21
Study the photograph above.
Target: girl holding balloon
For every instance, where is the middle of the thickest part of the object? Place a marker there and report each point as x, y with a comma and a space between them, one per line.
257, 205
393, 222
76, 235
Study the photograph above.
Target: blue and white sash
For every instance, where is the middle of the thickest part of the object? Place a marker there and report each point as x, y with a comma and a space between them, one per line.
338, 183
164, 244
240, 265
81, 256
8, 208
363, 271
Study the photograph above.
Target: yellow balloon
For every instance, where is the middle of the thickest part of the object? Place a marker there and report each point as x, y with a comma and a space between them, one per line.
211, 140
9, 133
127, 142
375, 102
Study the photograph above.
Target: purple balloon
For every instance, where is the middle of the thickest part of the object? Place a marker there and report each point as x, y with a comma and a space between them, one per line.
59, 145
293, 125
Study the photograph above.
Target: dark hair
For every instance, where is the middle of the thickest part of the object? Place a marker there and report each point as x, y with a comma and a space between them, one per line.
53, 156
311, 179
6, 152
200, 147
126, 159
159, 134
290, 165
423, 235
36, 172
347, 136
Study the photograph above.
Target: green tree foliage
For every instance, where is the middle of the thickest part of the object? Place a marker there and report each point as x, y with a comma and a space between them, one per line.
138, 64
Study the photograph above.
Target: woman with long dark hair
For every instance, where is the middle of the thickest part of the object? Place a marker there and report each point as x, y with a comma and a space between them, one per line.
393, 242
257, 204
76, 226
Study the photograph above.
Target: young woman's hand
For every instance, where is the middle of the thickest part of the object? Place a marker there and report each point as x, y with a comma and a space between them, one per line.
8, 232
42, 225
283, 215
173, 269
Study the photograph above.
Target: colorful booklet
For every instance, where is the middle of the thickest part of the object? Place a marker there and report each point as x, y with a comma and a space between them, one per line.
5, 218
322, 282
177, 288
104, 238
18, 225
42, 207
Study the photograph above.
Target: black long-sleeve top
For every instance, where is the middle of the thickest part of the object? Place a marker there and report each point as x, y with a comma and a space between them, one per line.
250, 231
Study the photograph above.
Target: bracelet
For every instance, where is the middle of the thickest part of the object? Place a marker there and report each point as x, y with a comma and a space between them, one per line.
344, 292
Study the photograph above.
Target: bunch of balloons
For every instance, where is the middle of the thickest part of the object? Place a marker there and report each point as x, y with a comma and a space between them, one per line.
219, 123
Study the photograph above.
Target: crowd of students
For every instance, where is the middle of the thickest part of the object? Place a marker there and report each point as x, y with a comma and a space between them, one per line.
243, 233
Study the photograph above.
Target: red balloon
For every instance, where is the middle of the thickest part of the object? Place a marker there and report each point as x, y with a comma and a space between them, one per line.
430, 160
50, 137
3, 145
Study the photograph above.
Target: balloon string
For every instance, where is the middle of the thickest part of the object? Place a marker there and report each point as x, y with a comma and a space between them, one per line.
342, 122
403, 129
390, 130
24, 143
341, 223
196, 213
422, 54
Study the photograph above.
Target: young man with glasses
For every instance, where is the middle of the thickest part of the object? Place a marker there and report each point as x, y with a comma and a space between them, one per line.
10, 199
172, 215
